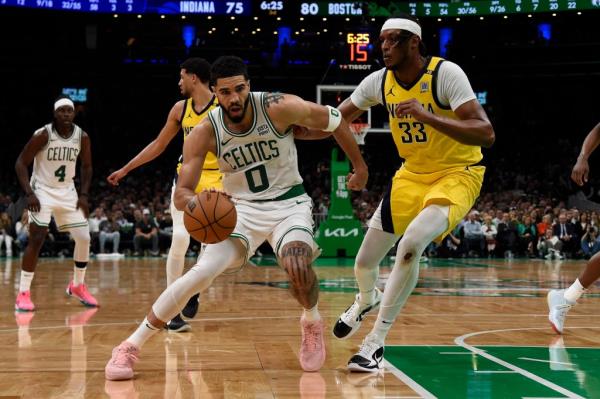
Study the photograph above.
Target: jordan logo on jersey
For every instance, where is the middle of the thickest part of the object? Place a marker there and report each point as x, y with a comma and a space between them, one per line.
391, 92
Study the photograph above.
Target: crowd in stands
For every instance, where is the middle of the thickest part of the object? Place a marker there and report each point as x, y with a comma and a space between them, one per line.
520, 213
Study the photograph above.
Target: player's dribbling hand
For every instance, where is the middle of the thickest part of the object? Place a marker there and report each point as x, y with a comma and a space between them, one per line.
580, 171
214, 190
357, 180
413, 108
33, 204
116, 176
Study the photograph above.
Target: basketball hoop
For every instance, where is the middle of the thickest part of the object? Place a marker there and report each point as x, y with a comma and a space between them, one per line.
359, 130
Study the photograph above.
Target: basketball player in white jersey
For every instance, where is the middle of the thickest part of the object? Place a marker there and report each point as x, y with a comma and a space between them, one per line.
184, 115
252, 137
54, 150
561, 301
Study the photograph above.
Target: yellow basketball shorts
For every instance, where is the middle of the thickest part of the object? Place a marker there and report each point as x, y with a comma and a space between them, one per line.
210, 179
409, 193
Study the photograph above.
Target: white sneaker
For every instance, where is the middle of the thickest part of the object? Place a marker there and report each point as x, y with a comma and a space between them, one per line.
368, 358
349, 321
559, 307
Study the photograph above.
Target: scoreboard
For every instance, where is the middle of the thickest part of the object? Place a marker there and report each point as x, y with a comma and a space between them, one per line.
210, 7
294, 8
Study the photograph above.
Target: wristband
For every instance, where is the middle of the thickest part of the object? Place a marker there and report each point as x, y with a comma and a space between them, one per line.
335, 118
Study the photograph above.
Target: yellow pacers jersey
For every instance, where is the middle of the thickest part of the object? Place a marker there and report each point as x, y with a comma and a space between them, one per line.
424, 149
211, 176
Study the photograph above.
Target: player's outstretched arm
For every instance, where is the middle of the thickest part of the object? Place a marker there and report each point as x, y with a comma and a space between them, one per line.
25, 158
582, 168
293, 110
349, 112
155, 147
86, 173
200, 141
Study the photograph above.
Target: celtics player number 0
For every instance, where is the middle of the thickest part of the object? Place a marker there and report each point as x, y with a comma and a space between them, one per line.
258, 172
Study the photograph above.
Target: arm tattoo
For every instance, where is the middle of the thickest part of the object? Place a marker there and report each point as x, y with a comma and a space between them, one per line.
303, 251
273, 98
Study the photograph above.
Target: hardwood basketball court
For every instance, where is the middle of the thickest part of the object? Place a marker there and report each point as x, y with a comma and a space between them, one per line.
473, 328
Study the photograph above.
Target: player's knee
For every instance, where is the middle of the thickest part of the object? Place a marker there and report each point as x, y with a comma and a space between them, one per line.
363, 261
408, 249
81, 235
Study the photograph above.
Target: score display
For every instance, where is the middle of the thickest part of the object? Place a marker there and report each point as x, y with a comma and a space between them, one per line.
202, 7
490, 7
357, 55
307, 8
443, 9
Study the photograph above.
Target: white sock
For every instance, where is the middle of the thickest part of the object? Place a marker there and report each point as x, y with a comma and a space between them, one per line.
573, 293
25, 283
143, 333
78, 275
312, 314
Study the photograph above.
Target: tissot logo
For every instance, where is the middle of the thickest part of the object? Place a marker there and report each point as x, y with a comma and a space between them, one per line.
341, 232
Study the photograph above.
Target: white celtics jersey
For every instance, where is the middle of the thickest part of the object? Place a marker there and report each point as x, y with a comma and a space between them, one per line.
259, 164
54, 165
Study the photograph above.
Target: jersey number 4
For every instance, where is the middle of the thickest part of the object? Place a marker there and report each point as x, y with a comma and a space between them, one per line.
408, 136
60, 173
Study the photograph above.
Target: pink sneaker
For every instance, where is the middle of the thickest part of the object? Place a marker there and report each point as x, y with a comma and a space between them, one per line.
120, 365
23, 302
312, 349
81, 292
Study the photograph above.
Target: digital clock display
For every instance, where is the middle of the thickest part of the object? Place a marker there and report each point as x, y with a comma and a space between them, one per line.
357, 52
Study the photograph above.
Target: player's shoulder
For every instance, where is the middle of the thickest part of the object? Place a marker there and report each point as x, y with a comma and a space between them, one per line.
450, 69
276, 100
179, 106
375, 77
41, 132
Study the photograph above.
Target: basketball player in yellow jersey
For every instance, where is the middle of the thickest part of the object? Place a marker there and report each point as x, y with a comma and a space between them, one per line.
438, 128
185, 114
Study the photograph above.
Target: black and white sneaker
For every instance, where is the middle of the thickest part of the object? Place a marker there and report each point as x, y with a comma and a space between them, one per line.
349, 321
191, 307
177, 324
369, 357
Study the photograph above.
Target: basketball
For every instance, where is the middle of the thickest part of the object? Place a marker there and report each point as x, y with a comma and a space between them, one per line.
210, 217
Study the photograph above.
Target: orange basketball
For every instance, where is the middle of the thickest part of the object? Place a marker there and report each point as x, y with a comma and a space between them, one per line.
210, 217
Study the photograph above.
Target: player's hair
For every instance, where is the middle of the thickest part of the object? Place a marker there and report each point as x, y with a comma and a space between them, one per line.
197, 66
227, 66
422, 48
